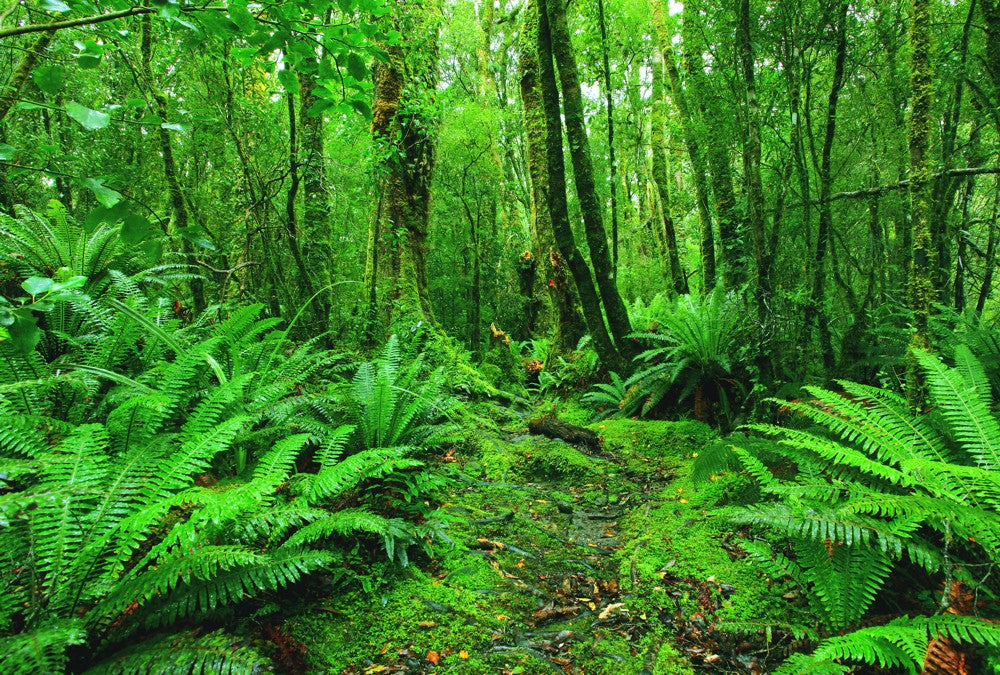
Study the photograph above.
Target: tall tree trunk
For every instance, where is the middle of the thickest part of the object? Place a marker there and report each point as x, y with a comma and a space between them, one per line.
583, 174
733, 260
558, 211
678, 279
751, 162
612, 165
922, 295
698, 166
177, 203
291, 216
403, 125
317, 249
550, 266
825, 232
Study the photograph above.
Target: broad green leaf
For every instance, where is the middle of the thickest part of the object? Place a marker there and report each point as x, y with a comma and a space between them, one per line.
362, 107
173, 126
241, 16
288, 80
356, 67
197, 236
54, 6
7, 151
37, 285
6, 316
105, 195
24, 332
135, 229
49, 78
89, 119
90, 54
153, 249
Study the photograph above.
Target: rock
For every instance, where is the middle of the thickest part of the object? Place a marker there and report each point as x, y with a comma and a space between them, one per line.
564, 507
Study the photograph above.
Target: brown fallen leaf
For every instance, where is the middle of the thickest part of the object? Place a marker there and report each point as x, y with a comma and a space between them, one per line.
433, 657
426, 624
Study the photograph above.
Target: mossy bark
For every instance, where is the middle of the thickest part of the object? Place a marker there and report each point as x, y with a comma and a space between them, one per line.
921, 285
678, 280
405, 133
550, 267
556, 200
177, 203
708, 105
691, 142
824, 234
583, 174
751, 176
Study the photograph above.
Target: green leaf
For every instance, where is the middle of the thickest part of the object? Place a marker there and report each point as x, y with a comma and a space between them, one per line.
173, 126
362, 107
6, 151
153, 248
135, 229
288, 80
49, 78
36, 285
54, 6
241, 16
356, 67
24, 332
89, 55
105, 195
89, 119
6, 316
197, 236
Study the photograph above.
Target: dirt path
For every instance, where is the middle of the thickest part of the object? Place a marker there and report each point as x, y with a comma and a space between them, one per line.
563, 561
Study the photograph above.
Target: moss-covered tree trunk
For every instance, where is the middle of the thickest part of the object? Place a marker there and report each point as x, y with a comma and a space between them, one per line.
824, 233
583, 174
692, 143
921, 285
405, 133
751, 164
177, 203
657, 139
733, 256
549, 265
317, 248
556, 200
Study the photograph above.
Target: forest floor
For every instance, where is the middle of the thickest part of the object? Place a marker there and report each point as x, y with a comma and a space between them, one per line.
564, 560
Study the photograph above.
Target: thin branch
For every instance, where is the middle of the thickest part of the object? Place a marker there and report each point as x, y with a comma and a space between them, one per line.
901, 185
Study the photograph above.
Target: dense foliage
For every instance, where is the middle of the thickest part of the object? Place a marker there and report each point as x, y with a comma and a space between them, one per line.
266, 268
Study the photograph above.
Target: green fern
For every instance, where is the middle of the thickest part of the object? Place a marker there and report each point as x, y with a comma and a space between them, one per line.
884, 484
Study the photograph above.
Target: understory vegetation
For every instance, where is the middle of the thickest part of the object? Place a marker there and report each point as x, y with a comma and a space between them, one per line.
499, 337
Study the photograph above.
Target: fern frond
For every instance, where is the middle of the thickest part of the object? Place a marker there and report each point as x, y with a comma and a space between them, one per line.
215, 652
42, 650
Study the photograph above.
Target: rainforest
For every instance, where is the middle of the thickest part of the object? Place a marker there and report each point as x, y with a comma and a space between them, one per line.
499, 337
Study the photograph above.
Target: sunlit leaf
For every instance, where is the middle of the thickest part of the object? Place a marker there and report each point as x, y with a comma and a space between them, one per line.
89, 119
105, 195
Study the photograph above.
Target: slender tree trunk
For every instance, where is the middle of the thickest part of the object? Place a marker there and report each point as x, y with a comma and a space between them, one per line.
825, 232
583, 174
678, 279
550, 266
733, 257
317, 249
23, 72
177, 202
589, 299
612, 165
698, 166
991, 255
751, 161
922, 295
291, 215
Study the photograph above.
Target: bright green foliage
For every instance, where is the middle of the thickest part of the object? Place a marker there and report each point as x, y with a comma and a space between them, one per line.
883, 485
698, 360
105, 532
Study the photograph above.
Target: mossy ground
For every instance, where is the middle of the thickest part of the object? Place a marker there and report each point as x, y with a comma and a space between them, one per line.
562, 562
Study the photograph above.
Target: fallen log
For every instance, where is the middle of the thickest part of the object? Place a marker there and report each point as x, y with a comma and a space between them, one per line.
552, 427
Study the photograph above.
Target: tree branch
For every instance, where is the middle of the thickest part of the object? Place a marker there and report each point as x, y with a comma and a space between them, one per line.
89, 20
901, 185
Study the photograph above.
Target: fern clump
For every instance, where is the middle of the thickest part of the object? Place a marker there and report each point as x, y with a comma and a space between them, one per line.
878, 486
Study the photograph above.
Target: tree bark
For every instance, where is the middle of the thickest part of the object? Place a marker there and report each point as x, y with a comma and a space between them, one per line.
550, 266
698, 166
583, 173
921, 284
678, 279
556, 199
